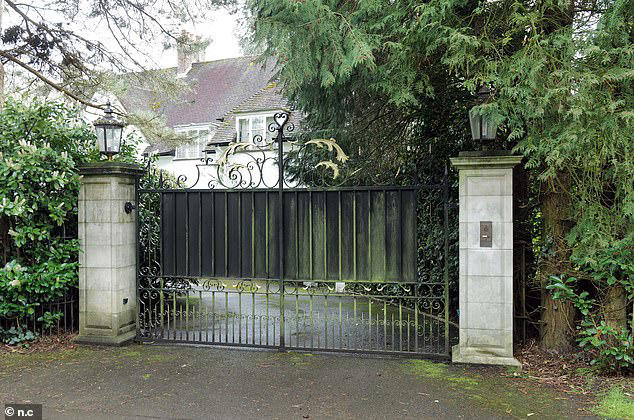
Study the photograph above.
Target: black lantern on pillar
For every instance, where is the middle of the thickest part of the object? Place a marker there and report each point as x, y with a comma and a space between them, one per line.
482, 128
109, 132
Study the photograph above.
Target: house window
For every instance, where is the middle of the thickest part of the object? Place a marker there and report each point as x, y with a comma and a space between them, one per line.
194, 149
250, 126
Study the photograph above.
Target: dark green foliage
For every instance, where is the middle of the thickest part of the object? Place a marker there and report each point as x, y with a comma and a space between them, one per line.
19, 336
610, 348
392, 81
41, 144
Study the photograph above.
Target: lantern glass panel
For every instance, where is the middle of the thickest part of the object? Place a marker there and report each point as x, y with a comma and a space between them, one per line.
489, 130
101, 138
481, 127
116, 138
475, 120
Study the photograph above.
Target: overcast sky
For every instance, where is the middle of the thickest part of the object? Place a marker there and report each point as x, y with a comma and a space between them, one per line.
221, 29
224, 36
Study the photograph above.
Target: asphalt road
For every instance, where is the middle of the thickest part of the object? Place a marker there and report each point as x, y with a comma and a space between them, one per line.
209, 382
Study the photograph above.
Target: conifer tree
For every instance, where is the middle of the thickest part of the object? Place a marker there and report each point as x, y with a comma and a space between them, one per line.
394, 80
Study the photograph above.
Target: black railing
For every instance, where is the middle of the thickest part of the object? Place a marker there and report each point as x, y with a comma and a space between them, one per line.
255, 258
67, 320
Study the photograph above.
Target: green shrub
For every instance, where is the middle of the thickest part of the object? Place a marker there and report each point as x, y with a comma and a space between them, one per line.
609, 348
19, 336
24, 288
41, 145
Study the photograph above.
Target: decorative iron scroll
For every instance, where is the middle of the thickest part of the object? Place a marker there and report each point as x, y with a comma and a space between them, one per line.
208, 255
244, 165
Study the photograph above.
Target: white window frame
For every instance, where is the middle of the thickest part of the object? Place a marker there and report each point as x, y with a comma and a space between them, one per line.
195, 149
264, 132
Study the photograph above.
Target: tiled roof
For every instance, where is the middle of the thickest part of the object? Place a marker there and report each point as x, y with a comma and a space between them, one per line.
217, 88
268, 98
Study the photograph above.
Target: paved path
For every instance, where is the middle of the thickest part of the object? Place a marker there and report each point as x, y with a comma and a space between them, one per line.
206, 382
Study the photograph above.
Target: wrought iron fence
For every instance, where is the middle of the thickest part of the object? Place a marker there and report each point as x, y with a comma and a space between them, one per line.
66, 307
68, 321
324, 316
255, 261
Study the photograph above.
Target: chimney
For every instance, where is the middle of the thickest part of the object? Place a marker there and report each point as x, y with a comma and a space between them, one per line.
189, 50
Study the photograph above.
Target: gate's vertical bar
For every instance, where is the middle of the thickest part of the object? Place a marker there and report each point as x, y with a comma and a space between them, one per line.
226, 317
186, 316
226, 243
240, 252
174, 313
416, 318
266, 240
311, 320
253, 235
310, 233
187, 256
384, 325
213, 235
340, 326
354, 235
369, 235
200, 234
296, 317
283, 117
174, 238
239, 315
369, 323
325, 236
354, 322
326, 320
213, 318
446, 256
339, 230
385, 233
296, 236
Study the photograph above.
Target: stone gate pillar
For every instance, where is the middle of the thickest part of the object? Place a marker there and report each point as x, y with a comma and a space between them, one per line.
107, 258
486, 259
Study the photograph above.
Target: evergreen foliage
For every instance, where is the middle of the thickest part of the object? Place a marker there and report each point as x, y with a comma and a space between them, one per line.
41, 145
393, 81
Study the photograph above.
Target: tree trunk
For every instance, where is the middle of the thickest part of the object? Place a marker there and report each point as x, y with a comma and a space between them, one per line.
557, 316
615, 308
557, 319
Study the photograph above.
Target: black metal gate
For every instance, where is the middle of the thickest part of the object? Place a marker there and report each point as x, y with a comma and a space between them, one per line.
245, 263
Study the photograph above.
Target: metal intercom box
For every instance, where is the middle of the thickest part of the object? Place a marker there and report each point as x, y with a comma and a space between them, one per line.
486, 234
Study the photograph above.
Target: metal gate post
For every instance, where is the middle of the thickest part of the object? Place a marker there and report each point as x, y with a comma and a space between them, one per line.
446, 256
281, 119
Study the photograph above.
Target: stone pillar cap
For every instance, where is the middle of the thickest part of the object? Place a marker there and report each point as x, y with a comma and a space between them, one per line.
111, 168
480, 161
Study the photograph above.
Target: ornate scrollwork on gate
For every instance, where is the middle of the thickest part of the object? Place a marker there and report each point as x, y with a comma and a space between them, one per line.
225, 296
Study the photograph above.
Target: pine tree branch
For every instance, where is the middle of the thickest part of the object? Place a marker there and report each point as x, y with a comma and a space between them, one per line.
49, 82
